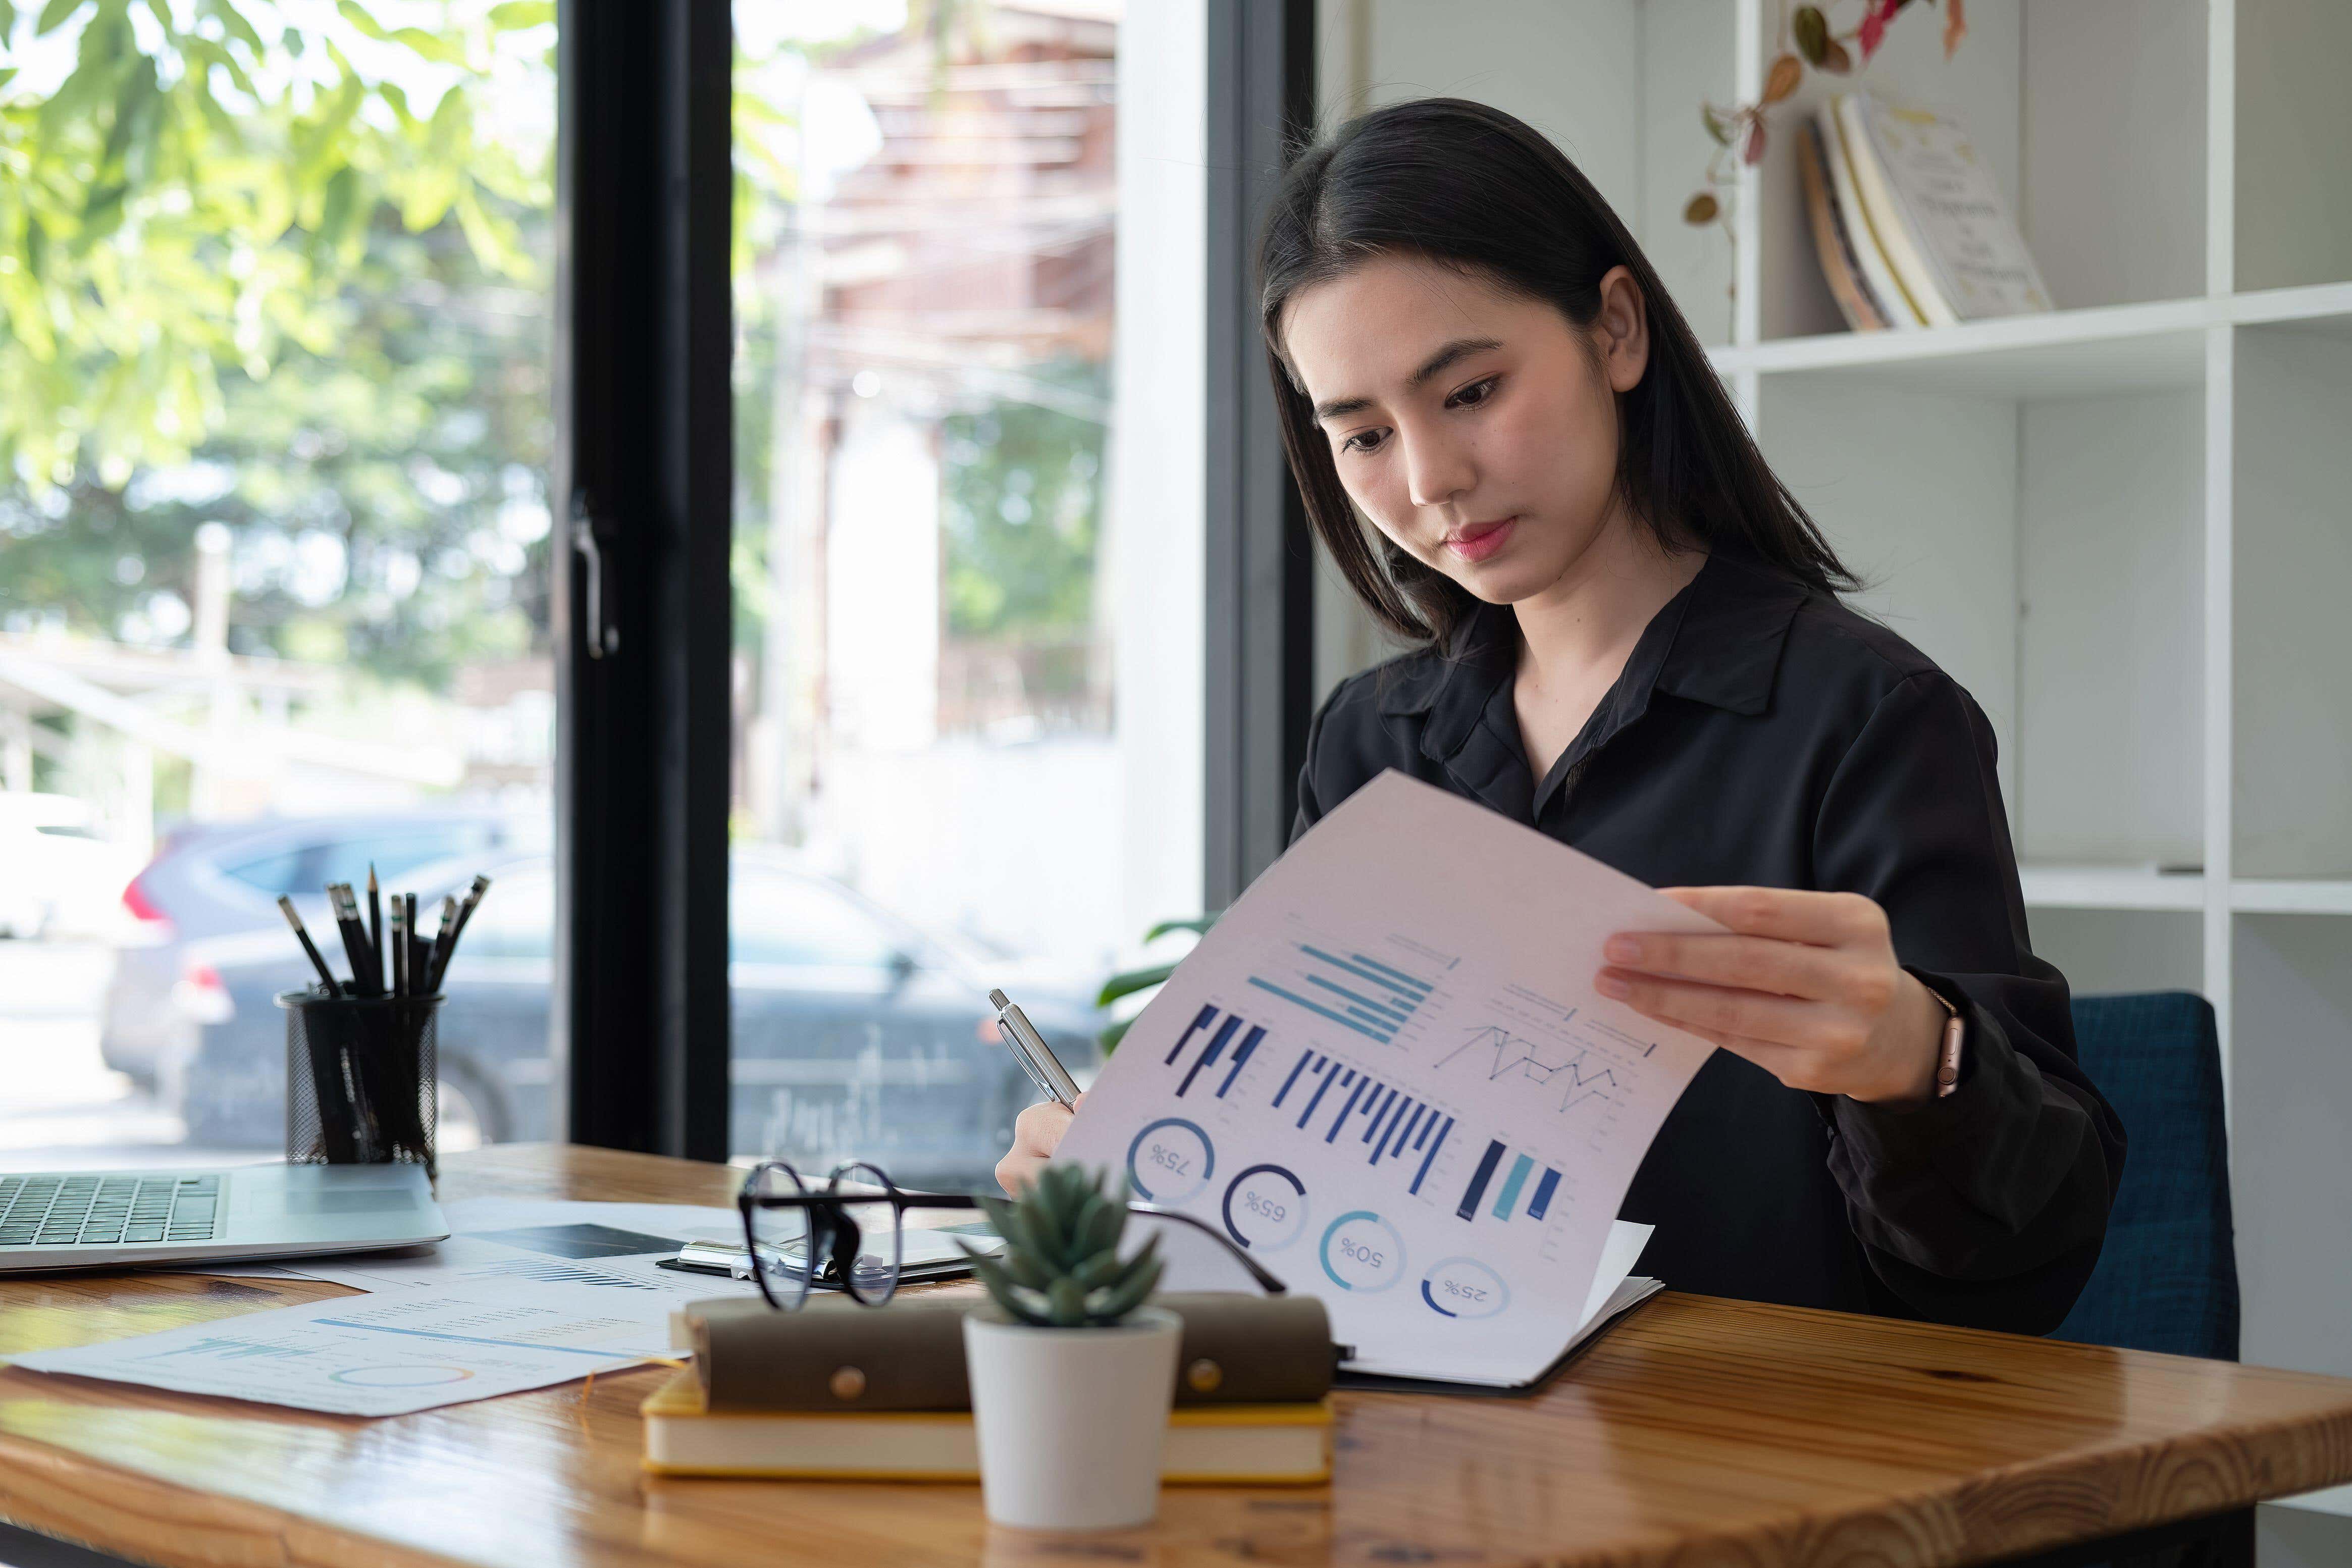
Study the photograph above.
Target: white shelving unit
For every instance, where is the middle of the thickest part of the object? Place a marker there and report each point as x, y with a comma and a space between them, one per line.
2126, 526
2093, 886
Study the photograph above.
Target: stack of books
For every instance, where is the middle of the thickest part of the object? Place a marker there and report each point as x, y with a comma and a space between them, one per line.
1910, 228
839, 1392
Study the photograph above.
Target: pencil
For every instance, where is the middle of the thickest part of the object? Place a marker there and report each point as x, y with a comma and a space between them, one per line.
366, 979
443, 941
416, 986
330, 1085
466, 906
465, 912
399, 946
376, 920
309, 948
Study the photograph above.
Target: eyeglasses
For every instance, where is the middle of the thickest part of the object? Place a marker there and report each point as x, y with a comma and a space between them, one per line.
850, 1232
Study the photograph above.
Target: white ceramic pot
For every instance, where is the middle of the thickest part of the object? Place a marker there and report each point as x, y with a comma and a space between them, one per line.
1070, 1421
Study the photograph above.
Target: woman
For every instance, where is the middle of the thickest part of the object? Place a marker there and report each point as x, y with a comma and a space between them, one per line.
1628, 637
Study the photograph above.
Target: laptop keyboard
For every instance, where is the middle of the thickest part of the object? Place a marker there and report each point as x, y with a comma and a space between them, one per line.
107, 1211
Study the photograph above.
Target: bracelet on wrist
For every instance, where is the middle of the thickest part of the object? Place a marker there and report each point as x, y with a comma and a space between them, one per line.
1947, 1051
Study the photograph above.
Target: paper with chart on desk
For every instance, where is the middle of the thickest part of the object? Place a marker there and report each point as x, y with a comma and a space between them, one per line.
525, 1292
1385, 1072
594, 1249
384, 1354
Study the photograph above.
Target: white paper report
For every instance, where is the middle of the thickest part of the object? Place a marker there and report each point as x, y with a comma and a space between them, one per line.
384, 1354
1386, 1073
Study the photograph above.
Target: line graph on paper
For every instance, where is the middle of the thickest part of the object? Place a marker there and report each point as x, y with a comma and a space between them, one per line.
1578, 1077
1580, 1070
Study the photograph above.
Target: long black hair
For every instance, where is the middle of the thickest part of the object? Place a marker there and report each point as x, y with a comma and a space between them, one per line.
1470, 187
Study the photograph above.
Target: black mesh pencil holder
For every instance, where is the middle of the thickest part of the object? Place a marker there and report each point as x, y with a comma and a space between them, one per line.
360, 1079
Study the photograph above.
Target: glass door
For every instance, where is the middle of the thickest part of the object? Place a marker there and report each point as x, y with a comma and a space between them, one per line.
275, 531
927, 793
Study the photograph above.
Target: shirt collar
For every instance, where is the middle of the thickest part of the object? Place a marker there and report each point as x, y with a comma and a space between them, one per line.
1729, 647
1717, 642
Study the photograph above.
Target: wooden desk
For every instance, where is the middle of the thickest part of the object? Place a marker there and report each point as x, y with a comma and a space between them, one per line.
1699, 1431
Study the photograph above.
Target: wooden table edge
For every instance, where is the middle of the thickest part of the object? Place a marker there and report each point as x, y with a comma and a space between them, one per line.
2106, 1475
178, 1512
1949, 1515
114, 1508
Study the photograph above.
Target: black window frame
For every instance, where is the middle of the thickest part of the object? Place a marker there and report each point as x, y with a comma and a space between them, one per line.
645, 474
1260, 647
644, 480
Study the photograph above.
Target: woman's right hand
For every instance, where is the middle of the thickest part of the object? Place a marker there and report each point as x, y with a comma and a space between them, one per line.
1036, 1133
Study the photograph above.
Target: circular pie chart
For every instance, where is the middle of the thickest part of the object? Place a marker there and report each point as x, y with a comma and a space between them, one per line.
1171, 1161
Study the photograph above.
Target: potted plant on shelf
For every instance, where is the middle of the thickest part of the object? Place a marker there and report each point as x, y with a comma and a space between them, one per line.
1071, 1375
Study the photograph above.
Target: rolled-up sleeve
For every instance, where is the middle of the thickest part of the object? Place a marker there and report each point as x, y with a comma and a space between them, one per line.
1985, 1208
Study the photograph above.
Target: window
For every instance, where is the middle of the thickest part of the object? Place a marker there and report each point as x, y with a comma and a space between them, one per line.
793, 922
277, 538
518, 924
928, 583
394, 853
385, 846
276, 874
275, 311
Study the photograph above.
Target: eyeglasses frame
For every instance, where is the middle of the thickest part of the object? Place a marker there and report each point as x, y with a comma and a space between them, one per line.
833, 1231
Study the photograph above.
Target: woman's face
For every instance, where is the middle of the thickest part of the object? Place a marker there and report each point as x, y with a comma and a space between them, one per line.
1475, 427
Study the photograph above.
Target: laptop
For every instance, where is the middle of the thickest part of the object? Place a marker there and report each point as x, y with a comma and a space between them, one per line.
102, 1219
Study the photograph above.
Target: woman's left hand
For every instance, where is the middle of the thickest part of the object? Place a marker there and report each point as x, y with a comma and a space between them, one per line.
1805, 985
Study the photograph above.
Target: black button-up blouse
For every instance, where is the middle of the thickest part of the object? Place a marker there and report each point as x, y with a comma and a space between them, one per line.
1765, 734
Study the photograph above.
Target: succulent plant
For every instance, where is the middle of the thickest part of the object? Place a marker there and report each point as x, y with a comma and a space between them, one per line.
1060, 1267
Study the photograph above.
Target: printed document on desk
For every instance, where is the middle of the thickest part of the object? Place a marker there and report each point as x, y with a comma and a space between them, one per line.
381, 1355
1386, 1073
598, 1251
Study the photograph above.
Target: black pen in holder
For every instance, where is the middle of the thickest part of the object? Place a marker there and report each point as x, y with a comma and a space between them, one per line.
360, 1079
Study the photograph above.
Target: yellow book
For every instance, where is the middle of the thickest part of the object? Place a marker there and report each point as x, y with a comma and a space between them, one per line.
1208, 1444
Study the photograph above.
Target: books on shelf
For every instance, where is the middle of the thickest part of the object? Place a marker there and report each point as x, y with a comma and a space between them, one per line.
1840, 264
1907, 221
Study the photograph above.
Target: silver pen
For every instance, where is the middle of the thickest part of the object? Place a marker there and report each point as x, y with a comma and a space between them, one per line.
1027, 1046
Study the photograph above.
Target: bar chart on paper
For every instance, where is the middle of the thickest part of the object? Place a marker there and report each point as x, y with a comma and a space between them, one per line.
1385, 1121
1237, 1081
1525, 1179
1373, 997
1342, 1107
1424, 1169
1336, 1060
1384, 1074
1219, 1030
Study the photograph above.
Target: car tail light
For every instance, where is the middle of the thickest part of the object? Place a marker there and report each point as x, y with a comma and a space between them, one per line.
201, 995
142, 910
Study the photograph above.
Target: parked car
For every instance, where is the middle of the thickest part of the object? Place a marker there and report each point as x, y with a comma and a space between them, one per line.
217, 879
856, 1034
58, 876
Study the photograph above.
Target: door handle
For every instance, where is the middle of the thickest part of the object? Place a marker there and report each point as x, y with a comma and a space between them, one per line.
603, 636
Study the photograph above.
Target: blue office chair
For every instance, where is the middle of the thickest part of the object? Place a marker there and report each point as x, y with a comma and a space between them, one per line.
2167, 1278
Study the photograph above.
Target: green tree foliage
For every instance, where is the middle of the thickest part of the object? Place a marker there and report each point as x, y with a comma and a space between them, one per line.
388, 498
194, 198
1024, 487
277, 278
274, 265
